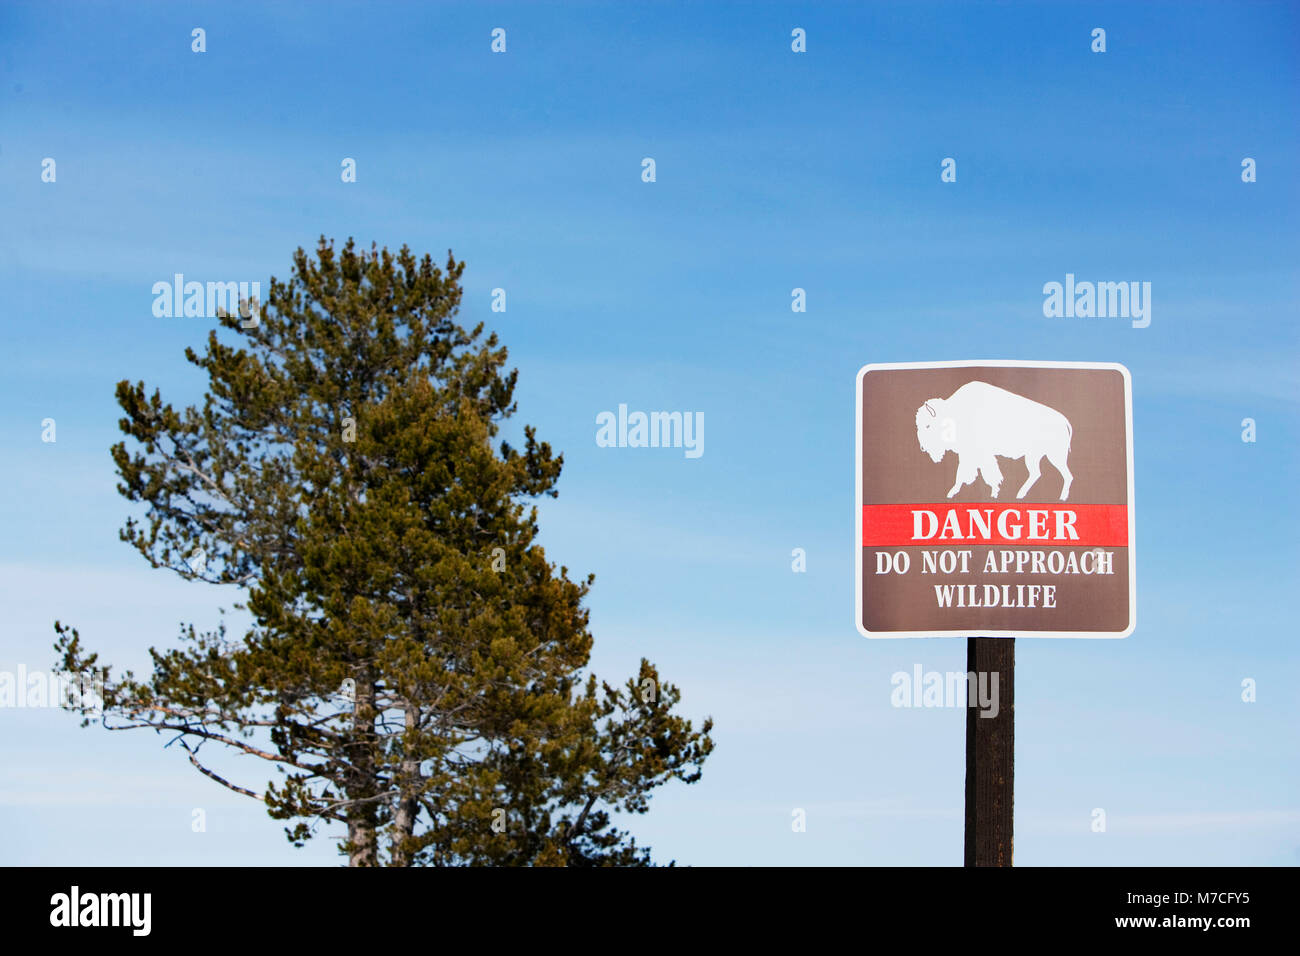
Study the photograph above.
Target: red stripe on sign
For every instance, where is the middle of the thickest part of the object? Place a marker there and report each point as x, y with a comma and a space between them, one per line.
1061, 525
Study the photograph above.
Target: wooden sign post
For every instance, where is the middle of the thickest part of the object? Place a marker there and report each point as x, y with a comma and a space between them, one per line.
991, 756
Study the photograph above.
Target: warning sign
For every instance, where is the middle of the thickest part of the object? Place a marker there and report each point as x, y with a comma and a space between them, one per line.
995, 499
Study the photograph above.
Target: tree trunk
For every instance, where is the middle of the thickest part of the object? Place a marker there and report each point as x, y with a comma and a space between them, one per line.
408, 803
362, 839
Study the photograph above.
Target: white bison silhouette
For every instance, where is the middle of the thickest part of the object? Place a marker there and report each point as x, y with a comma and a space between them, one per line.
980, 421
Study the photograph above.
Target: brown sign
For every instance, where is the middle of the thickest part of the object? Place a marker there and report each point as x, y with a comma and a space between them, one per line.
995, 499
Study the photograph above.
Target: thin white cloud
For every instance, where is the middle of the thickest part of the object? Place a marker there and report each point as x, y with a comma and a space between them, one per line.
1157, 823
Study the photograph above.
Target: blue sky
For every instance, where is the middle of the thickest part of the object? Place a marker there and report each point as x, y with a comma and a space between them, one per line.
775, 170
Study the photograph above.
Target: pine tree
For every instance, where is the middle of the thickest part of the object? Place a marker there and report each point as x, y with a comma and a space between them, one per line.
414, 670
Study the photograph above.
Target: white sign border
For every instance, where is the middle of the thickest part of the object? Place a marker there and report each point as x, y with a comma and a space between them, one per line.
965, 632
